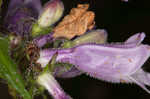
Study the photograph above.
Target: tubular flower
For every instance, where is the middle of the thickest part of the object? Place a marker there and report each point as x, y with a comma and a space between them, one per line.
21, 14
116, 63
94, 36
49, 82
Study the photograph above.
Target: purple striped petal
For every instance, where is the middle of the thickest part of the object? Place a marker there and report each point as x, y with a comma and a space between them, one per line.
105, 62
99, 60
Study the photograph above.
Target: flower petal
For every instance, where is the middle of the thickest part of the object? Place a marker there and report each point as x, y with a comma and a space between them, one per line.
105, 62
101, 61
13, 4
34, 4
43, 39
131, 42
141, 78
20, 16
49, 82
137, 38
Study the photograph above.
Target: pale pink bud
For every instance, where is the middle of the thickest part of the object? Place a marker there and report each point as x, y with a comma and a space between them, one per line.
51, 13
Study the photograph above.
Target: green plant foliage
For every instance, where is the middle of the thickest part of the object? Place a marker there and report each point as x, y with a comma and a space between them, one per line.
8, 70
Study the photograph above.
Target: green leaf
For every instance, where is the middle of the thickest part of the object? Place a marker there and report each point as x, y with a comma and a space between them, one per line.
8, 70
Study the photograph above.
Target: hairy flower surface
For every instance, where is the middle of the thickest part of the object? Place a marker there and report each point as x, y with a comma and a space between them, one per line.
109, 62
98, 36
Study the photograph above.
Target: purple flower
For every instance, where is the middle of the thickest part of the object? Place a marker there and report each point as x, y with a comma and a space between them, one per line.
49, 82
120, 62
21, 14
43, 39
95, 36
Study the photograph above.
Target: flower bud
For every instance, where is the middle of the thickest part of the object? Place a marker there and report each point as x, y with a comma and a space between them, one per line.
51, 13
95, 36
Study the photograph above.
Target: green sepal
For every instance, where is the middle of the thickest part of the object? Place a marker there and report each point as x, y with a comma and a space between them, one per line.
38, 30
67, 44
65, 67
51, 65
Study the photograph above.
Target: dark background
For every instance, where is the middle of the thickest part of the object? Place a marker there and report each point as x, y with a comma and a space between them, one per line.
121, 20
